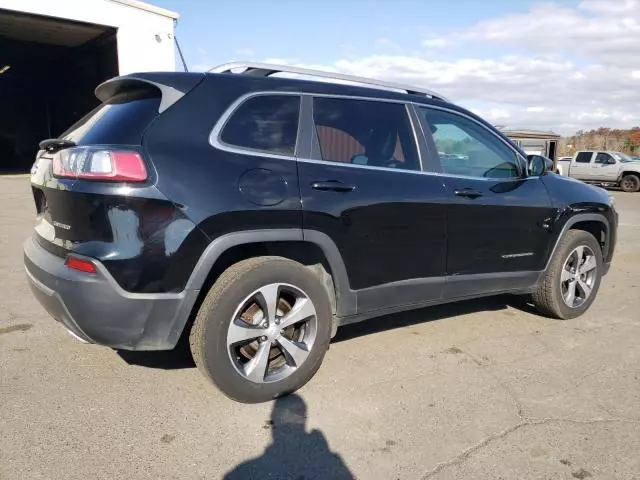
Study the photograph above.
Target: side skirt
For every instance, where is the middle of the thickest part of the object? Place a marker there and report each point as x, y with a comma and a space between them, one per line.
436, 291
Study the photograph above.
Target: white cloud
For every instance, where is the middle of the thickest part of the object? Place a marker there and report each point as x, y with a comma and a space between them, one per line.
606, 30
435, 42
499, 114
245, 52
574, 68
201, 51
611, 7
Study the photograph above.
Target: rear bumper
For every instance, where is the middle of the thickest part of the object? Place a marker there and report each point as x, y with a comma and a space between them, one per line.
97, 310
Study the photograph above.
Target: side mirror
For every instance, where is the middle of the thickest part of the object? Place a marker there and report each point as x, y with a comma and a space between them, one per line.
539, 165
612, 161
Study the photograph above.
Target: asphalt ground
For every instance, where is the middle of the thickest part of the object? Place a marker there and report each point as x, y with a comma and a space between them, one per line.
480, 389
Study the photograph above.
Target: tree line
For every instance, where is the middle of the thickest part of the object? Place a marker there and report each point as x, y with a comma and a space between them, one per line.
618, 140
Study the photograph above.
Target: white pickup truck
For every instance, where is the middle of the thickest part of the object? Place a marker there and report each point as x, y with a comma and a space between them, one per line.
603, 167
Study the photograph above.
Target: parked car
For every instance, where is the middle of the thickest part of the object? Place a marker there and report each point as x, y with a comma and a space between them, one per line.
558, 167
604, 167
255, 215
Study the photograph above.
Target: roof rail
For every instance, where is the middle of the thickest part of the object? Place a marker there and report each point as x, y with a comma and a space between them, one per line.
259, 69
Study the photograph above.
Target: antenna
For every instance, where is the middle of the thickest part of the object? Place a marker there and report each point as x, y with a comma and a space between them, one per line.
184, 64
175, 39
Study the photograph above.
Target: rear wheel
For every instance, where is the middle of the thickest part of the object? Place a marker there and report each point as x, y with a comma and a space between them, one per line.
263, 329
630, 183
572, 280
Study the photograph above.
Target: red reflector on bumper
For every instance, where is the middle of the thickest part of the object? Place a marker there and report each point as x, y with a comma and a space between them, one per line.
80, 265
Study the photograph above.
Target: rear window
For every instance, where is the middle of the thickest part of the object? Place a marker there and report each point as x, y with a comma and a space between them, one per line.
115, 122
267, 123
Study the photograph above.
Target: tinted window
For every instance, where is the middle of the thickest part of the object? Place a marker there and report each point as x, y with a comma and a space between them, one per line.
111, 123
603, 158
364, 132
466, 148
584, 157
267, 123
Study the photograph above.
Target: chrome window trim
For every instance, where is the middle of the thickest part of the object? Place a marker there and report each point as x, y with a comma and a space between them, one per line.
414, 131
216, 142
522, 163
214, 136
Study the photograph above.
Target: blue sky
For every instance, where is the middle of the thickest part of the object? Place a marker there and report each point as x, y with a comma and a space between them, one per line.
317, 31
557, 65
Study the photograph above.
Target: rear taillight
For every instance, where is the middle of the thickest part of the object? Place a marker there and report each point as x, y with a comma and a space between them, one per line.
89, 163
80, 264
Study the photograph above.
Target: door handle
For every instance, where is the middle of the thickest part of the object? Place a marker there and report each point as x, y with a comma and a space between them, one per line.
467, 192
332, 185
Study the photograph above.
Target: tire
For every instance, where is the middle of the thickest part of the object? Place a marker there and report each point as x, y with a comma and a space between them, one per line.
549, 298
630, 183
240, 293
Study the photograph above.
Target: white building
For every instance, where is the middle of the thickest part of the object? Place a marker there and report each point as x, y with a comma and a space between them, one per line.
53, 53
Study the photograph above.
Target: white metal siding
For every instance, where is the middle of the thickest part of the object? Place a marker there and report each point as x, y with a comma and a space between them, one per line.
145, 35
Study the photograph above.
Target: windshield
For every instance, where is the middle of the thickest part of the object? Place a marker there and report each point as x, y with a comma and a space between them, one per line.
623, 157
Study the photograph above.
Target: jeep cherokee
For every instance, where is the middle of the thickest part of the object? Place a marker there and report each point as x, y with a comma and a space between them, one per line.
255, 214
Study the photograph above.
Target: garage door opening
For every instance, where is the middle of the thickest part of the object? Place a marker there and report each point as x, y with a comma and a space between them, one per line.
49, 69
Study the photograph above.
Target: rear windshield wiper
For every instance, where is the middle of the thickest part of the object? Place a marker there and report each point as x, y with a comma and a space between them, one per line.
52, 145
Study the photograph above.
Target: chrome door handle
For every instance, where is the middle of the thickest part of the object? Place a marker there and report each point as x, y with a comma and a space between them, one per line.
332, 185
468, 192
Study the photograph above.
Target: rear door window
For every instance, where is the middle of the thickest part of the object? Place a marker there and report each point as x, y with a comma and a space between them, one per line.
364, 132
584, 157
603, 158
265, 123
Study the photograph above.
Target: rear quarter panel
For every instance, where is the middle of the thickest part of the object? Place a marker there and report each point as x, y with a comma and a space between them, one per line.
202, 181
140, 237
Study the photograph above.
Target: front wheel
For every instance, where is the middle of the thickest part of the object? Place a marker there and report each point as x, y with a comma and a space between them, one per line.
263, 329
630, 183
572, 280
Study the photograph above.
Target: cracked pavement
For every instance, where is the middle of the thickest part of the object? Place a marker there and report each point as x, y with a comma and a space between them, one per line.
479, 389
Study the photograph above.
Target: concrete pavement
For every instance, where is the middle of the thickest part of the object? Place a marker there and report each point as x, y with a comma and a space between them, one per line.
480, 389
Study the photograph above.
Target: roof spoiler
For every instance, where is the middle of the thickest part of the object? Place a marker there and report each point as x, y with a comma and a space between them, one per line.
172, 86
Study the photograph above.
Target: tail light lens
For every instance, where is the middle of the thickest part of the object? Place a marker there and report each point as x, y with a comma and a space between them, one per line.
99, 164
80, 264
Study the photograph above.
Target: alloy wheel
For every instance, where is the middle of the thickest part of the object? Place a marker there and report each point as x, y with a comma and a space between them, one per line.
271, 333
579, 275
629, 183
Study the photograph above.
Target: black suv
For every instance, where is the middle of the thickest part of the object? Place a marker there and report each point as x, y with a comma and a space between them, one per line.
255, 214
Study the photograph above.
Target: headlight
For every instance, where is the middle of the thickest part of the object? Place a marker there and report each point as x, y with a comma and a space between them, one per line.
612, 201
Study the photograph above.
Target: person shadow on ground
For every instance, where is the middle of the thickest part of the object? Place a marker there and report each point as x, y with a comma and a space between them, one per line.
294, 453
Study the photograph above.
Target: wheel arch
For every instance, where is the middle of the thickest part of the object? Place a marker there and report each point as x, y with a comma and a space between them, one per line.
594, 223
628, 172
315, 250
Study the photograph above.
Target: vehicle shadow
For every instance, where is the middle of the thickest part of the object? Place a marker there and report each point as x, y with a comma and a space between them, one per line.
429, 314
294, 453
176, 359
180, 357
